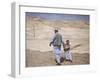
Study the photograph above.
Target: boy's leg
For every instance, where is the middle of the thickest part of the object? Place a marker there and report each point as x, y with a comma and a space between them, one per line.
70, 55
66, 55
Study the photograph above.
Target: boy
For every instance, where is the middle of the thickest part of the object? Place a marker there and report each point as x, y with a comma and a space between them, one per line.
68, 55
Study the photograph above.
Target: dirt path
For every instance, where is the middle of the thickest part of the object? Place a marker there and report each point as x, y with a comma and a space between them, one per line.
37, 58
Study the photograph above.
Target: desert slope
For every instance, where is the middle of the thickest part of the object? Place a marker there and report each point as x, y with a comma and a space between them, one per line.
40, 31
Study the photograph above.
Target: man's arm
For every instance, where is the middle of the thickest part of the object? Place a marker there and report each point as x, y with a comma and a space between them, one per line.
62, 41
50, 43
52, 40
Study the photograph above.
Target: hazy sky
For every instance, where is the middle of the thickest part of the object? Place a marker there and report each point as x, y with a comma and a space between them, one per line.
56, 16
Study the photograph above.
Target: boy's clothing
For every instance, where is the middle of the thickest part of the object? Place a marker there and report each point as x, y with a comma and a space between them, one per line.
68, 55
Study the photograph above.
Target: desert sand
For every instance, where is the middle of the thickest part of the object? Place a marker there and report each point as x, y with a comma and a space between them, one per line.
37, 59
38, 36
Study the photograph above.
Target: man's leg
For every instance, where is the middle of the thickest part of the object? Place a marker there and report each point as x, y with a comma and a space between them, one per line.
58, 58
58, 55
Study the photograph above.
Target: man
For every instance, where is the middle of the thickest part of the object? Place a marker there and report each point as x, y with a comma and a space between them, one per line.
57, 42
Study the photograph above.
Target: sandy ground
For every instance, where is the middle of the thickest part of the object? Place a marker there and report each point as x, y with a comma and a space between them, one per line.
39, 33
37, 58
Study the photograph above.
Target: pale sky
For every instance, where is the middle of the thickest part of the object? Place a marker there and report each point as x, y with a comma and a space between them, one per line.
56, 16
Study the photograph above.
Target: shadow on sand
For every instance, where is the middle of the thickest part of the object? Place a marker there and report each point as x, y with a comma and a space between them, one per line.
78, 45
62, 59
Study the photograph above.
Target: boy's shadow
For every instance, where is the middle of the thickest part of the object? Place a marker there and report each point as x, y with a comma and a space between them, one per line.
78, 45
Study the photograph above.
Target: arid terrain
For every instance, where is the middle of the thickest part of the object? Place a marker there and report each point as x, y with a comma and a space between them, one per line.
39, 33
